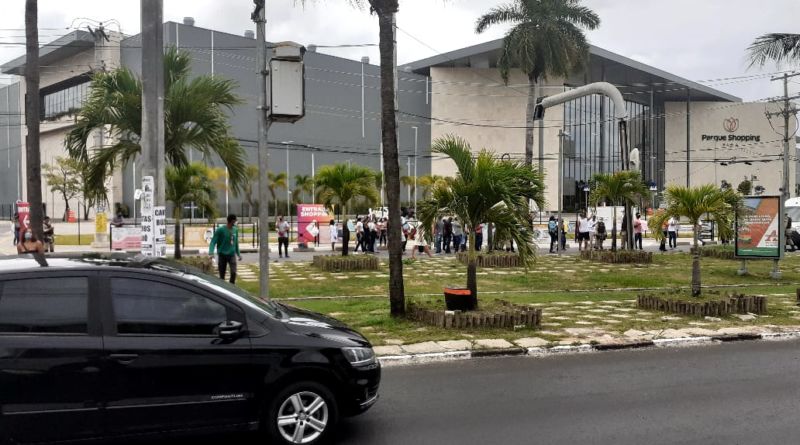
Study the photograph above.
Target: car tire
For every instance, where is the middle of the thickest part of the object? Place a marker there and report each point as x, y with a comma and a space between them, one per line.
302, 413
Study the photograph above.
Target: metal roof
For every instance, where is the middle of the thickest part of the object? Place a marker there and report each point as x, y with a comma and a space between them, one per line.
65, 46
633, 78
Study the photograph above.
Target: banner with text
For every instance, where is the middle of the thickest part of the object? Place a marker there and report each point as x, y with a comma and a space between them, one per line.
148, 226
313, 220
758, 228
126, 238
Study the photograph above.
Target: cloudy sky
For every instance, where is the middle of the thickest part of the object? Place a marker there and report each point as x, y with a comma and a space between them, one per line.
700, 40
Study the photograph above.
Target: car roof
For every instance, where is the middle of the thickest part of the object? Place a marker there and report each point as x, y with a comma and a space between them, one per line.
67, 261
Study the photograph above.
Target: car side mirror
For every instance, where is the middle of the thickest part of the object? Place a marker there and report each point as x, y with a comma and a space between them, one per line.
230, 330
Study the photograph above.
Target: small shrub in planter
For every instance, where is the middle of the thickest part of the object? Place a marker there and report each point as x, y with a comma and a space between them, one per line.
204, 263
618, 257
495, 259
338, 263
717, 251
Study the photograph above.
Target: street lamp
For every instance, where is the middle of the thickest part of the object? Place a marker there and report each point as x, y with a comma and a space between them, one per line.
288, 183
415, 166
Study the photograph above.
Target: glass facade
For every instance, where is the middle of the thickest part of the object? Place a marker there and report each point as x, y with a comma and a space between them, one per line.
64, 101
591, 144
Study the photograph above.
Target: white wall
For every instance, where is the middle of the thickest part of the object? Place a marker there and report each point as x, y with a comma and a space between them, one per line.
708, 118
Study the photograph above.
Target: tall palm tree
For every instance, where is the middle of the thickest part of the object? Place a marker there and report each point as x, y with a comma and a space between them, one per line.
194, 118
276, 181
190, 183
776, 47
618, 188
547, 39
338, 184
485, 188
302, 184
426, 183
693, 203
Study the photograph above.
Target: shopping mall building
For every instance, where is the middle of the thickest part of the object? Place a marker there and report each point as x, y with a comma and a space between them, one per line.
686, 133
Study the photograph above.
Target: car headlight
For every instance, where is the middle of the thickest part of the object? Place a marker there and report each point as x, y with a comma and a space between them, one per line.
359, 356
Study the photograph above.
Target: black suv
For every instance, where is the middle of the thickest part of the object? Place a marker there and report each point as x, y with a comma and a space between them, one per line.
106, 346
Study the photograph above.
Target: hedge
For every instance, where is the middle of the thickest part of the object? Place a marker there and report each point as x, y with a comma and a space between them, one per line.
338, 263
203, 263
618, 257
498, 259
717, 251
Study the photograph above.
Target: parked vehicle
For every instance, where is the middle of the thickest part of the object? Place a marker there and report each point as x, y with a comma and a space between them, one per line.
108, 346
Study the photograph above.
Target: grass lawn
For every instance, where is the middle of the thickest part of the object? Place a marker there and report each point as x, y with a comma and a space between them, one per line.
572, 293
72, 240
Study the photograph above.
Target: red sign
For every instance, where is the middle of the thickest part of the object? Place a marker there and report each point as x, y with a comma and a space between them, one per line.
24, 213
313, 220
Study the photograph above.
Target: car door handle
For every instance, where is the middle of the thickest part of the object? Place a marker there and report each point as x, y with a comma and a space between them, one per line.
124, 359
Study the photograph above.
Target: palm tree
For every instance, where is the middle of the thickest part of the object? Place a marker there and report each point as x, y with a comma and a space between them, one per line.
485, 189
426, 182
547, 39
692, 203
191, 183
340, 183
276, 181
618, 188
33, 156
194, 113
252, 175
776, 47
302, 184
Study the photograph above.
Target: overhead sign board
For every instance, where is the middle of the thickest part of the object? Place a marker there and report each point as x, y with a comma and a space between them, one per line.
759, 233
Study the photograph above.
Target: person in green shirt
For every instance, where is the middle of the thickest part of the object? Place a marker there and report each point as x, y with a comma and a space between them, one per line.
226, 241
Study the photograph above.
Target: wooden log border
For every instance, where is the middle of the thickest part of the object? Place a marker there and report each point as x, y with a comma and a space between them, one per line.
499, 260
338, 263
734, 304
618, 257
513, 316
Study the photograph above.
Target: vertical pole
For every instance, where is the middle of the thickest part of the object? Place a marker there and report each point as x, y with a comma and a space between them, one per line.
688, 136
561, 136
313, 180
408, 172
383, 178
259, 17
363, 125
416, 131
786, 139
134, 191
227, 200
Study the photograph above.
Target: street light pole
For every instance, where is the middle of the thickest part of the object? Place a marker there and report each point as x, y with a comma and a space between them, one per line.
561, 136
415, 166
259, 17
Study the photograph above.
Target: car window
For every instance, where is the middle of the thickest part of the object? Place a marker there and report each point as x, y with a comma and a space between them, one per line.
44, 305
152, 307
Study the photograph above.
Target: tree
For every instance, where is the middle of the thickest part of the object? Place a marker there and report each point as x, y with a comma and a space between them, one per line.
547, 39
618, 188
190, 183
692, 203
776, 47
194, 112
745, 187
302, 184
276, 181
33, 156
252, 177
485, 189
408, 182
63, 177
426, 183
339, 184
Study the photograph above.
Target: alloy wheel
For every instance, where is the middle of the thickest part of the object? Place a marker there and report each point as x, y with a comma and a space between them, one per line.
302, 417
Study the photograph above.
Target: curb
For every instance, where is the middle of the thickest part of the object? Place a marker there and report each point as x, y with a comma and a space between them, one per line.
435, 357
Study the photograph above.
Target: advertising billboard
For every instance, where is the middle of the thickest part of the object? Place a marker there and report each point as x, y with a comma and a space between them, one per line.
758, 228
313, 220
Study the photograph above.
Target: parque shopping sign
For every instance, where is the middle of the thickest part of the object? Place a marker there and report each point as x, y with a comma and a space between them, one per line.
758, 228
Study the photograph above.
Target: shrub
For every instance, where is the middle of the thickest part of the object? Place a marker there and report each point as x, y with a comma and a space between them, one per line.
495, 259
204, 263
618, 257
717, 251
338, 263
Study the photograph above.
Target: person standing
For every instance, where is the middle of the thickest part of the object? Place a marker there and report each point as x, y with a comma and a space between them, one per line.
372, 234
552, 229
283, 236
382, 223
29, 243
664, 235
624, 231
49, 235
583, 232
592, 231
601, 233
637, 232
672, 232
226, 242
359, 235
437, 235
16, 228
447, 233
458, 234
420, 243
347, 228
478, 237
564, 227
334, 228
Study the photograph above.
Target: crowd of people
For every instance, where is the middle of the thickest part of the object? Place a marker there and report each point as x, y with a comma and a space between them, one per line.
26, 241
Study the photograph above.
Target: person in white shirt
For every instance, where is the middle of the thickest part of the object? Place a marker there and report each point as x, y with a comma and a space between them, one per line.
420, 244
672, 232
334, 234
592, 227
583, 232
360, 241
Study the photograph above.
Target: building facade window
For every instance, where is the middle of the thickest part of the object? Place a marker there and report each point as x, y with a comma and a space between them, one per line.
64, 98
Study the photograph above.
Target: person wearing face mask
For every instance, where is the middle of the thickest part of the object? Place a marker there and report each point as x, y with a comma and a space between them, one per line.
226, 241
29, 244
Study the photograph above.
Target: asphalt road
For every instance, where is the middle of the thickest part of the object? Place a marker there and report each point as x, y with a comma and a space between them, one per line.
743, 393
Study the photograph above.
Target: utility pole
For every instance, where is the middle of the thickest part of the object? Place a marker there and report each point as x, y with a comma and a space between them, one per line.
416, 131
153, 95
33, 157
259, 17
561, 136
787, 112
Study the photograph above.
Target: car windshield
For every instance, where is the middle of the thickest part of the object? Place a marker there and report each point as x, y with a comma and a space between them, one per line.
221, 286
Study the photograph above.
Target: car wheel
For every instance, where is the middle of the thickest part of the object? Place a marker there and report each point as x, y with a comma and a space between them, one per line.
302, 413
